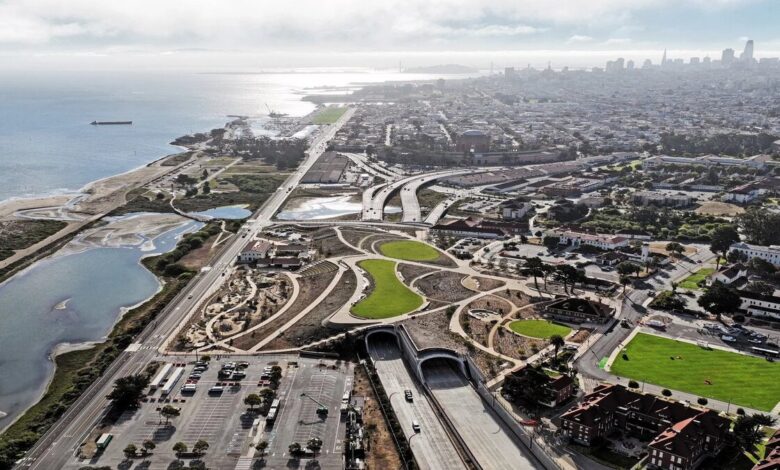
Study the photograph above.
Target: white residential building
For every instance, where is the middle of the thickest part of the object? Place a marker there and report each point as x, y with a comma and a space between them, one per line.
760, 305
767, 253
577, 239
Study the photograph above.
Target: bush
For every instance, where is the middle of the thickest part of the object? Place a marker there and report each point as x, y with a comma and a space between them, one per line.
738, 318
702, 401
667, 300
633, 384
666, 392
740, 411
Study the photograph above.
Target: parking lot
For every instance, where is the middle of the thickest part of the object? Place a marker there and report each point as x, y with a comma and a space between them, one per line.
221, 418
308, 387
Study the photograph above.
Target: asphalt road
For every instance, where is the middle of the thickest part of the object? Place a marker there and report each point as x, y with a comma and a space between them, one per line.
486, 436
431, 446
63, 439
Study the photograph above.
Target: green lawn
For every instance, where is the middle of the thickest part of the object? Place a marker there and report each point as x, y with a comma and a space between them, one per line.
390, 296
743, 380
409, 250
329, 115
692, 281
539, 328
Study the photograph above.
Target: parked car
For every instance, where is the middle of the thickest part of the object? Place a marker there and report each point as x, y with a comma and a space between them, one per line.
408, 395
415, 426
728, 339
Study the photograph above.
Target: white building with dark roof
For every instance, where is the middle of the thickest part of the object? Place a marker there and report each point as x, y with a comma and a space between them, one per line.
767, 253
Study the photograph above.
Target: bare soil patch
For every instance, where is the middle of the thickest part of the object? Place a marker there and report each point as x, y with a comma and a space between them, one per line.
484, 284
327, 243
516, 297
519, 347
309, 328
411, 271
718, 208
444, 286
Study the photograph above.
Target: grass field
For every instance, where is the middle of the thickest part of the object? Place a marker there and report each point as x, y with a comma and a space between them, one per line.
726, 376
692, 281
409, 250
329, 115
390, 296
539, 328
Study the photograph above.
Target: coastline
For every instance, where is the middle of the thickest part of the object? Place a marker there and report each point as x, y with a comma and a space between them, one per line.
61, 350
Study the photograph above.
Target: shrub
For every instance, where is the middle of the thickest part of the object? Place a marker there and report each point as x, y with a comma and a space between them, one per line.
666, 392
633, 384
702, 401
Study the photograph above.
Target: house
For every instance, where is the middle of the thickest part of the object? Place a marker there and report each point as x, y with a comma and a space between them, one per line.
757, 305
574, 310
560, 389
730, 274
610, 258
685, 444
516, 210
254, 251
681, 436
745, 193
577, 239
771, 460
660, 199
767, 253
475, 227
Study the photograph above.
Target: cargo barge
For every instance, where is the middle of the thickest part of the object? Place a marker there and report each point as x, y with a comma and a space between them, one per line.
111, 123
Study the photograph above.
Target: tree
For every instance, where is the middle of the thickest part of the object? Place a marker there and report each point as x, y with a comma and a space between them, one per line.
674, 285
179, 448
625, 281
760, 287
294, 449
760, 226
760, 266
261, 447
130, 451
168, 412
747, 430
557, 342
626, 268
314, 445
128, 390
566, 274
721, 240
200, 447
527, 386
534, 267
547, 269
252, 400
206, 188
666, 392
633, 384
551, 242
719, 299
702, 401
147, 447
675, 248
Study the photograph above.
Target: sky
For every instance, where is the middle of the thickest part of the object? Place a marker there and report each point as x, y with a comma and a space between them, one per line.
238, 34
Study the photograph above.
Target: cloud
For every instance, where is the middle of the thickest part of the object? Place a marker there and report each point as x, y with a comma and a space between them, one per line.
617, 41
252, 24
578, 38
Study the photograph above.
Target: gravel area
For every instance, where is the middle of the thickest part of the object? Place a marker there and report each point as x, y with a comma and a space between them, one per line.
328, 245
513, 345
490, 302
485, 284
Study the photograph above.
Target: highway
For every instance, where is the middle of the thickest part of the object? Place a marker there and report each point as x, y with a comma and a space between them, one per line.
432, 447
61, 442
409, 202
486, 436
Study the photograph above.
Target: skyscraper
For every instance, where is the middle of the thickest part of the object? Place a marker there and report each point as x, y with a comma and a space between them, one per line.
727, 56
747, 54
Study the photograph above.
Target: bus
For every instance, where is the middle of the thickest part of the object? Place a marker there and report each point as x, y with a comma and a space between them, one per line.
103, 441
272, 412
766, 352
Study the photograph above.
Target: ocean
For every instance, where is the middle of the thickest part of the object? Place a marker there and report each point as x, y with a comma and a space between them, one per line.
47, 145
